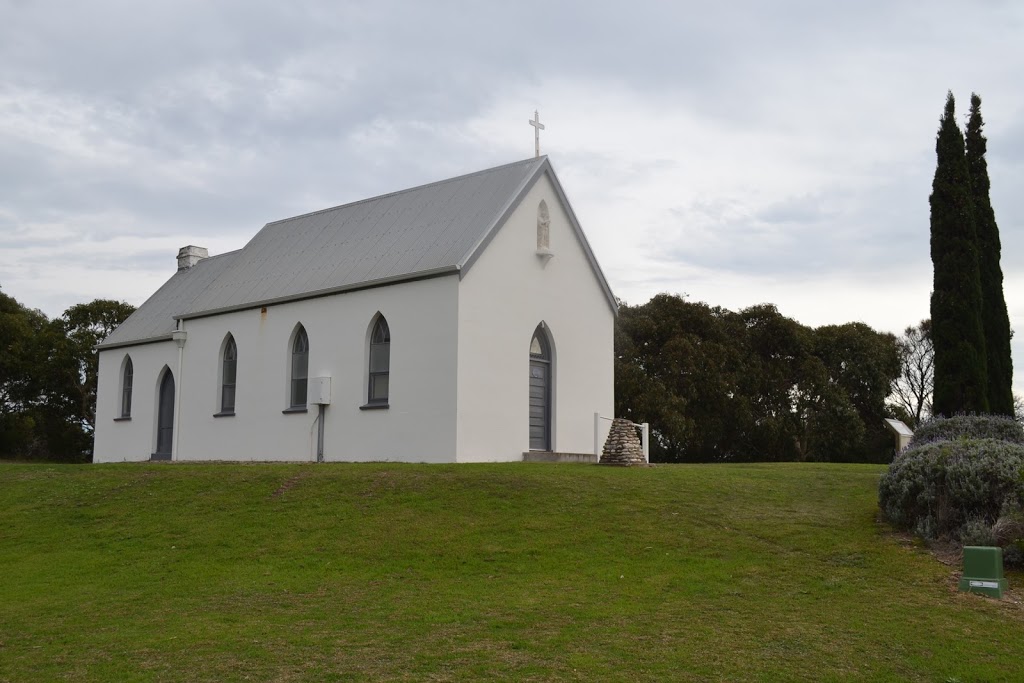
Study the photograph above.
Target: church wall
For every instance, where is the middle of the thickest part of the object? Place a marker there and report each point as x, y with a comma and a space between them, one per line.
503, 297
418, 425
135, 439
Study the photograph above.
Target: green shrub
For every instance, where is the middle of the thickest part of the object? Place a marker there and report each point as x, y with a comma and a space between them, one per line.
969, 427
953, 488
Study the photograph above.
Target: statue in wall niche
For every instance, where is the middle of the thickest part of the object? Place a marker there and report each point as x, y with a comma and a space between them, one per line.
543, 227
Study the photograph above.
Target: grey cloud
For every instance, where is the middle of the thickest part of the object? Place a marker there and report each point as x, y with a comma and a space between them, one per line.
795, 210
145, 259
416, 54
834, 231
191, 82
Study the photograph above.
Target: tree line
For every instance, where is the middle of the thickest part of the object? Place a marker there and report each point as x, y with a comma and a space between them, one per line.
753, 385
714, 384
48, 378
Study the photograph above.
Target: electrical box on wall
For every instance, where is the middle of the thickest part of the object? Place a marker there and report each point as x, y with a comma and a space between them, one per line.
320, 391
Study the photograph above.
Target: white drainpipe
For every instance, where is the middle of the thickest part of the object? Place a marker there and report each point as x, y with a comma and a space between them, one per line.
179, 336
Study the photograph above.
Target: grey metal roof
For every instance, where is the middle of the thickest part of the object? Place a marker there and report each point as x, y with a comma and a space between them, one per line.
421, 232
400, 235
154, 320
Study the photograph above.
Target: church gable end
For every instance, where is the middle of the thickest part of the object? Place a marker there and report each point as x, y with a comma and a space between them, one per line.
540, 205
532, 400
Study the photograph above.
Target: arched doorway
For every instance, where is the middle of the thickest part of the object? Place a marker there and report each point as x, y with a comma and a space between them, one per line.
540, 391
165, 418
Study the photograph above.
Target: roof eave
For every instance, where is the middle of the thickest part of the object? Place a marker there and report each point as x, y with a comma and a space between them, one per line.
106, 346
382, 282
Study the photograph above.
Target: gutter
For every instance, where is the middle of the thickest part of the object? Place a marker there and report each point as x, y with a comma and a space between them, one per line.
354, 287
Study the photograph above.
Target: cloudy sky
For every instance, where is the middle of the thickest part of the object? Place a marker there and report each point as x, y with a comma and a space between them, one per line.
739, 152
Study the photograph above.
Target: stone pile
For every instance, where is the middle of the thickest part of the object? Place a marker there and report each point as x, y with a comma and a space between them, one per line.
623, 445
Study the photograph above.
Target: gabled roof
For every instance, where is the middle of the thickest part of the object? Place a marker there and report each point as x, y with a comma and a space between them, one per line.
421, 232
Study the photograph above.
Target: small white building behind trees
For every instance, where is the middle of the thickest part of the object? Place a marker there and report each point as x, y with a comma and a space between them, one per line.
462, 321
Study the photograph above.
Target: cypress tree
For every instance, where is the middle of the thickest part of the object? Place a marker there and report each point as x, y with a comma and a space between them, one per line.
957, 333
995, 322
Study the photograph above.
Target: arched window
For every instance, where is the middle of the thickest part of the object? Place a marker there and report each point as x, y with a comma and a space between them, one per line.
228, 372
543, 227
126, 387
300, 369
380, 362
539, 346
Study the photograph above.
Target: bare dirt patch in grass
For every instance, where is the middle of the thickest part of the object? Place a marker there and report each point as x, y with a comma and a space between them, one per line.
288, 484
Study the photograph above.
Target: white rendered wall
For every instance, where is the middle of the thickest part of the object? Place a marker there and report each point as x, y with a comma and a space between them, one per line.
418, 425
505, 294
134, 439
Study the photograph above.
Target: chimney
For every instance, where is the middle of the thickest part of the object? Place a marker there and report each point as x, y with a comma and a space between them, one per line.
191, 255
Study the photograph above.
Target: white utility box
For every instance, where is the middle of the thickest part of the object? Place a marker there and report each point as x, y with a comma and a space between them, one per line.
320, 391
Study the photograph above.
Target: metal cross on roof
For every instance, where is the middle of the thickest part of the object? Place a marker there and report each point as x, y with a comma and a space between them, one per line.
537, 128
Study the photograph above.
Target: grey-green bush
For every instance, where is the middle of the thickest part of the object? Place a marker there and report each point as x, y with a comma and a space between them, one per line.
969, 427
951, 488
1013, 554
977, 532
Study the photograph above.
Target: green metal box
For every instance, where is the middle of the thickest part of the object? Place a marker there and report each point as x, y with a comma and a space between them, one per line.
983, 571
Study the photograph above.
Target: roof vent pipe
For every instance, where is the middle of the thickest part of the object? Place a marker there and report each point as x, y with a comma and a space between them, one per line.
191, 255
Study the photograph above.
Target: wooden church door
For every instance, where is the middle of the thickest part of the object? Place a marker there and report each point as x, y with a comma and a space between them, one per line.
165, 419
540, 392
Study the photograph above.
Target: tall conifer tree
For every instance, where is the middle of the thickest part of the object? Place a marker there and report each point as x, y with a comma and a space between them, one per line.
995, 322
957, 333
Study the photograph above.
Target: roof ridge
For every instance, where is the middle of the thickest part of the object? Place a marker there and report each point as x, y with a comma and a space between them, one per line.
224, 253
409, 189
506, 209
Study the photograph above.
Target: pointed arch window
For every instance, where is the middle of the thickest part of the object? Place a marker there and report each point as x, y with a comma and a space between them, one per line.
228, 374
127, 376
539, 346
380, 363
300, 369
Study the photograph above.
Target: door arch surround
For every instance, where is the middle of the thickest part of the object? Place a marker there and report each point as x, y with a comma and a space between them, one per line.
540, 389
164, 416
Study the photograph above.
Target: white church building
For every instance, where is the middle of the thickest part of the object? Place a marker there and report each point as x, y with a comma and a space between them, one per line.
462, 321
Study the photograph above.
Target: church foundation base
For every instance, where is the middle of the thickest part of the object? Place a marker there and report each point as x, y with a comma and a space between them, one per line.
550, 456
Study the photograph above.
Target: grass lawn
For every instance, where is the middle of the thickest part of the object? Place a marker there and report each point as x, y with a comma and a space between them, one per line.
217, 572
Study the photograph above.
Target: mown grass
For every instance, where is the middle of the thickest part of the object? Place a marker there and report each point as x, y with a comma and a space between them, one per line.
220, 572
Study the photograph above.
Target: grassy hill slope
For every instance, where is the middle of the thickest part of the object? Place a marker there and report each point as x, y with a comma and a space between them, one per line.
337, 572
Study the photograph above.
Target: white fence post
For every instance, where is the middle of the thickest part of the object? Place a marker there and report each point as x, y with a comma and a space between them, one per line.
645, 441
597, 431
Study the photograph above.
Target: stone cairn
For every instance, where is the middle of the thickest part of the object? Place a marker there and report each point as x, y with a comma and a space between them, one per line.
623, 445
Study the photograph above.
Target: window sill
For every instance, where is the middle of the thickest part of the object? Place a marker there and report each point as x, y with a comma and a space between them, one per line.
225, 413
126, 418
374, 406
296, 409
